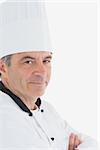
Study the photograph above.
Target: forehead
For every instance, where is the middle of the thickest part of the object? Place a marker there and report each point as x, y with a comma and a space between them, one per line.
34, 54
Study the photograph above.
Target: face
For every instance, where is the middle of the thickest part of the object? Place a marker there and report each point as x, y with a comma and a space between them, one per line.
29, 73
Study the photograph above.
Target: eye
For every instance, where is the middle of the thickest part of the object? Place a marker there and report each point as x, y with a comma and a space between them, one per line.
46, 61
28, 62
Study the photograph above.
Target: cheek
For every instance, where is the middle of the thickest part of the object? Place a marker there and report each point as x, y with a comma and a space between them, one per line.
20, 78
17, 80
14, 76
25, 73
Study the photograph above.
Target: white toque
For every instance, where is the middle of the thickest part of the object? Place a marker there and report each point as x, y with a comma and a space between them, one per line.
23, 27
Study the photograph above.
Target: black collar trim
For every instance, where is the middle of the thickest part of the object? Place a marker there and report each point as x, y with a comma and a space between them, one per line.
17, 100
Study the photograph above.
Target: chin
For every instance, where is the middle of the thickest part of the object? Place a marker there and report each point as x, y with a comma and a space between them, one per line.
37, 93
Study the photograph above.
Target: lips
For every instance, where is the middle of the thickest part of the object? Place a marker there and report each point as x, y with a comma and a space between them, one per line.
38, 83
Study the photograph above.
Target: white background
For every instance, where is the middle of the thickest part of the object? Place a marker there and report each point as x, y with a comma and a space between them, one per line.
74, 88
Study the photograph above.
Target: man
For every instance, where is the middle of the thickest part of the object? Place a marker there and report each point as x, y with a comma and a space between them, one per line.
26, 121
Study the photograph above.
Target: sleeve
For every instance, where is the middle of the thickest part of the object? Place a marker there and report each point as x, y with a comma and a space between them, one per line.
88, 143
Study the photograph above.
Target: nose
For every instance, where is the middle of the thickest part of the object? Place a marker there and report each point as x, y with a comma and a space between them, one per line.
40, 69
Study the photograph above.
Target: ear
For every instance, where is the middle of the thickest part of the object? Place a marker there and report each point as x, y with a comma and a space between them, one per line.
2, 67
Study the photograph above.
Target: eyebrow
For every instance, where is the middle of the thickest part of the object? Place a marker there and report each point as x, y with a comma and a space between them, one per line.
33, 58
27, 57
48, 57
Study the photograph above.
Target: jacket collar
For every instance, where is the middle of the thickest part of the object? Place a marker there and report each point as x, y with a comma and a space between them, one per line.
17, 100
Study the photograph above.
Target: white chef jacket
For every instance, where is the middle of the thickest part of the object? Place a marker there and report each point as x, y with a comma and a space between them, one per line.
45, 130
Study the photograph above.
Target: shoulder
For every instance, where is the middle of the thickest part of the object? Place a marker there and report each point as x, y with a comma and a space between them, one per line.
6, 101
3, 98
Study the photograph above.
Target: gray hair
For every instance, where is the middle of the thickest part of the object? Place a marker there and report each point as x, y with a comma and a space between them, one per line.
7, 60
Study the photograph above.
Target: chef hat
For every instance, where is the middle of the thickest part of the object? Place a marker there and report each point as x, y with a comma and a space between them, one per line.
23, 27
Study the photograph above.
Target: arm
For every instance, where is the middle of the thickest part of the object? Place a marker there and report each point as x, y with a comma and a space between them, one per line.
71, 141
79, 141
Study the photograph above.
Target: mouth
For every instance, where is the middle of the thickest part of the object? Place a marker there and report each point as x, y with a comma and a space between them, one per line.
38, 83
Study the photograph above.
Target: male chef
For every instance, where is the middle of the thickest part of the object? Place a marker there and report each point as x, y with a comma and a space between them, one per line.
26, 121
